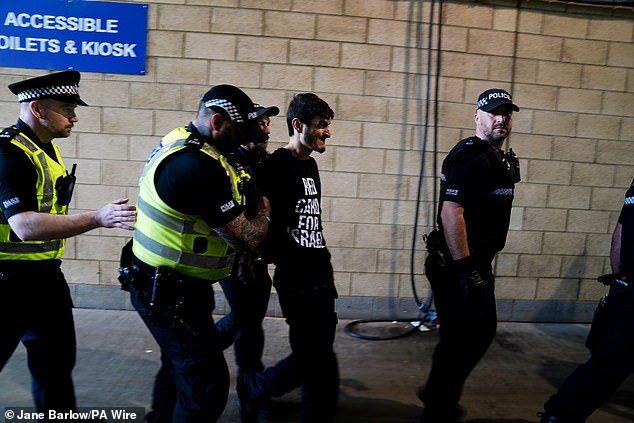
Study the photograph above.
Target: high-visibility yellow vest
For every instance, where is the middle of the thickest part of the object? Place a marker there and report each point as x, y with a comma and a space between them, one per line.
48, 171
166, 237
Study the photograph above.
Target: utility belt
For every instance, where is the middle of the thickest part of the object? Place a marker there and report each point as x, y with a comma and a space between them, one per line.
169, 293
437, 249
133, 271
438, 252
621, 288
28, 269
143, 276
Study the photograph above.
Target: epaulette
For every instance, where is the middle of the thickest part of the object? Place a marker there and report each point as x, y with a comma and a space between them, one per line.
235, 161
466, 144
8, 133
472, 142
195, 141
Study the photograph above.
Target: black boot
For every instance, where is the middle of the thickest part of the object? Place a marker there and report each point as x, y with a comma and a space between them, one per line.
439, 414
442, 415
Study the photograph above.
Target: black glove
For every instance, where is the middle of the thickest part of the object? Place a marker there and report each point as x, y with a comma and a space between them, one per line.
472, 285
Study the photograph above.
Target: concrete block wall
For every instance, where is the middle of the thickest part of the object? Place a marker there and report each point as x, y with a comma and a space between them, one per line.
569, 67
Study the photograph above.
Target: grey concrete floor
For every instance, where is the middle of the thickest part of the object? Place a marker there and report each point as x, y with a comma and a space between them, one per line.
117, 359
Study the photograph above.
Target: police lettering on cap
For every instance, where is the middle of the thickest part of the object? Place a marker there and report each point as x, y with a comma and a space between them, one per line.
238, 106
494, 98
269, 111
62, 86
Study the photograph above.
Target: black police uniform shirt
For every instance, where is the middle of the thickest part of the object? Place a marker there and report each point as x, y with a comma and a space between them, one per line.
250, 160
626, 219
294, 190
18, 176
474, 176
194, 183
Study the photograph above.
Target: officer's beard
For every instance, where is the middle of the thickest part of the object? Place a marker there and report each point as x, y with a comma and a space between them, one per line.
496, 135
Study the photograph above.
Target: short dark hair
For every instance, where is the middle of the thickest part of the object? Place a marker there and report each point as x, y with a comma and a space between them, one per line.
306, 107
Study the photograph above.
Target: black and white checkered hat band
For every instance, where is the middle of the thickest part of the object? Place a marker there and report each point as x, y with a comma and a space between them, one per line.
60, 90
228, 106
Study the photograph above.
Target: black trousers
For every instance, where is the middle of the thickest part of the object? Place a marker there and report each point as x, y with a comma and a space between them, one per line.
611, 344
465, 333
307, 298
192, 384
36, 307
242, 326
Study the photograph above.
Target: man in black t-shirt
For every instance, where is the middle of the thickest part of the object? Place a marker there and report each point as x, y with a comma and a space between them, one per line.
303, 274
611, 337
476, 194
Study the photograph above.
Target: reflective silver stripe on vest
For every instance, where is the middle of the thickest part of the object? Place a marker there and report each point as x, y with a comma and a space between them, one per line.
180, 226
23, 248
181, 257
47, 198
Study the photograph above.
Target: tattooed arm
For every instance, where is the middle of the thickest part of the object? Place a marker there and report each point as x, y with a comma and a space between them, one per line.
245, 235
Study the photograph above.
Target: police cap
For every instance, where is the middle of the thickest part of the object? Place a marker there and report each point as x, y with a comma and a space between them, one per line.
62, 86
494, 98
269, 111
239, 107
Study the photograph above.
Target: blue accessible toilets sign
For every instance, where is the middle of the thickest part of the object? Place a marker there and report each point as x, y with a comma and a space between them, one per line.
84, 35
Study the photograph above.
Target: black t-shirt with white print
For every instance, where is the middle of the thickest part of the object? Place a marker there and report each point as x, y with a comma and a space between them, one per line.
293, 188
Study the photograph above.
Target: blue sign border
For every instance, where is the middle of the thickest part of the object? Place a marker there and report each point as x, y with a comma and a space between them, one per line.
85, 35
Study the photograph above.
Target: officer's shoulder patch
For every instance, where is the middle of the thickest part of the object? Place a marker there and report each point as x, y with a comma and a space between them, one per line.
472, 142
467, 144
8, 133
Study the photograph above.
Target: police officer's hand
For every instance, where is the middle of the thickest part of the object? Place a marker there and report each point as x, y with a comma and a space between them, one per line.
117, 214
472, 287
265, 207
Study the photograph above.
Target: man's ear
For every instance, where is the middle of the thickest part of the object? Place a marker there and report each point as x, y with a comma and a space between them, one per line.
36, 109
476, 117
216, 121
298, 126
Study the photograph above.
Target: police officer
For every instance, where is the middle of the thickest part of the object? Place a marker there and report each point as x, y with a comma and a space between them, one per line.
35, 191
476, 194
189, 225
248, 289
611, 337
